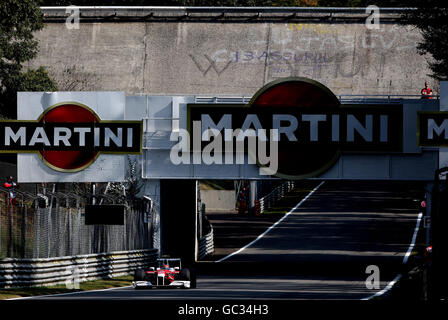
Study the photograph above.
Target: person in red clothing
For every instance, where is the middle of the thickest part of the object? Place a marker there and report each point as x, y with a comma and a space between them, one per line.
9, 184
243, 199
426, 91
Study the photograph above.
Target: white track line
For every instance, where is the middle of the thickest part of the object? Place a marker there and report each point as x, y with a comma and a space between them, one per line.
274, 225
405, 260
68, 293
387, 288
414, 238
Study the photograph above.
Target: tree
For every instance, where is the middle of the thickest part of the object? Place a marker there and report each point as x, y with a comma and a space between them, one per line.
431, 18
18, 20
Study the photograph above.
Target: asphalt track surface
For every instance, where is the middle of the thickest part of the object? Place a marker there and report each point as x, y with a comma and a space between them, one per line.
319, 251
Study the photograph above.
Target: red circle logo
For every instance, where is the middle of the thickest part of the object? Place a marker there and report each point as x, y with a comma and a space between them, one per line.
69, 161
309, 160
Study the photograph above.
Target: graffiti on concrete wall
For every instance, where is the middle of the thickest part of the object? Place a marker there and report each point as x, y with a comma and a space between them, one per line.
210, 64
315, 50
288, 63
315, 27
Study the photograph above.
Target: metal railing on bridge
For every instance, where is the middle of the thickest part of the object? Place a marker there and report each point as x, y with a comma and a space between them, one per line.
382, 98
343, 98
252, 14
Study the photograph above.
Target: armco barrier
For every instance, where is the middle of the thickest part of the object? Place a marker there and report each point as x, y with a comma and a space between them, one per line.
274, 196
50, 271
206, 245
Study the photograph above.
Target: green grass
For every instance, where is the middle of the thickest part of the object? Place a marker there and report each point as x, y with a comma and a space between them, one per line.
84, 286
276, 211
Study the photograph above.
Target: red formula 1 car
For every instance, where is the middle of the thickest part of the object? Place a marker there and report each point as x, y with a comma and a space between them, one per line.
167, 274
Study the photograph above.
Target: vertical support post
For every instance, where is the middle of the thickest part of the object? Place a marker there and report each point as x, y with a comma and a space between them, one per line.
23, 231
439, 221
178, 214
93, 193
428, 208
252, 195
196, 222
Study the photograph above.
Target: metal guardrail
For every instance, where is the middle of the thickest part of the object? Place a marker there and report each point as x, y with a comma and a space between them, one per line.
274, 196
206, 245
148, 13
51, 271
23, 196
223, 99
343, 98
381, 98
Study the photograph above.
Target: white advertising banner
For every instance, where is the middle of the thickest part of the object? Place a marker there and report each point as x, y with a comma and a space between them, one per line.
107, 106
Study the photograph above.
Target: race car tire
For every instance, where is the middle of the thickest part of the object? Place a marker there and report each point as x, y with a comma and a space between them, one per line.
188, 275
139, 275
184, 274
192, 278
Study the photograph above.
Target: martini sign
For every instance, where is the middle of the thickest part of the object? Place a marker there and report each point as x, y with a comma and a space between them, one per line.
300, 123
293, 128
72, 136
69, 136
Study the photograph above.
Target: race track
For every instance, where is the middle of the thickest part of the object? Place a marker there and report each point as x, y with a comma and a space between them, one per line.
319, 251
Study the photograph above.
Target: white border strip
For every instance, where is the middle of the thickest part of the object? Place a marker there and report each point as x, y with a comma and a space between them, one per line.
414, 238
273, 226
387, 288
405, 260
67, 293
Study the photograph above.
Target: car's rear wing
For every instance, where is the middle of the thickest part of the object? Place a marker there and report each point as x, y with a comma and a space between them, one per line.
167, 260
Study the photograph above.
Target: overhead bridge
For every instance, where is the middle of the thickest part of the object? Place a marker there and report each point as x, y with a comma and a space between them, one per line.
220, 14
164, 115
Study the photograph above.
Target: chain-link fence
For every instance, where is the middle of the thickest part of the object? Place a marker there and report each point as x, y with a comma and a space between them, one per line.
53, 225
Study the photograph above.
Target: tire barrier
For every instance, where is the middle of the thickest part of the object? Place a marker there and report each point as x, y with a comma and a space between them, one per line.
257, 209
206, 245
274, 196
72, 269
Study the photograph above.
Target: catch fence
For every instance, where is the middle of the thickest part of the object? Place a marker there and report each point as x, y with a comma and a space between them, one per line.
52, 224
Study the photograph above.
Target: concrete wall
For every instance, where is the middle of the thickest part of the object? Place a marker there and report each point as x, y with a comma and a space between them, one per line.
218, 200
231, 57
